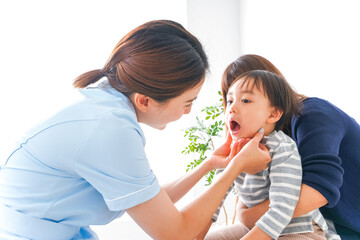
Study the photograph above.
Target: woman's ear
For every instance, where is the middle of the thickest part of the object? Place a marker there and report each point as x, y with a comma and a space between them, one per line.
275, 115
141, 102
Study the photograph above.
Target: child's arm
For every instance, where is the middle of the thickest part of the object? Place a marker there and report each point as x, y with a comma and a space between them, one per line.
249, 216
256, 233
285, 182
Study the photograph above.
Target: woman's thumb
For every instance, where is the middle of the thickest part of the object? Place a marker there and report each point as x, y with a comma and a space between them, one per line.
228, 139
259, 135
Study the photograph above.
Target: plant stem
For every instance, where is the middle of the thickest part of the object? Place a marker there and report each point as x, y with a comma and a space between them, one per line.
226, 216
212, 144
237, 200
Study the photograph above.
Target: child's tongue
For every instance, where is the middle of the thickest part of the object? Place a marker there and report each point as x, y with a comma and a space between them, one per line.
234, 126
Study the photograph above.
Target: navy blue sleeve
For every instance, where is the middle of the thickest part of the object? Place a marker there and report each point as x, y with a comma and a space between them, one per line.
318, 133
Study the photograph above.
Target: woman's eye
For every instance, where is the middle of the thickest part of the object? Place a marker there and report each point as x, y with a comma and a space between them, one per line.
189, 105
245, 101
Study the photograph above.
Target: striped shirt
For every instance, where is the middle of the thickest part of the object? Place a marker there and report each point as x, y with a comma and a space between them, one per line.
281, 183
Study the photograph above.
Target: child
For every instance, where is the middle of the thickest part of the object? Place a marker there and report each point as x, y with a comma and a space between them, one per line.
260, 99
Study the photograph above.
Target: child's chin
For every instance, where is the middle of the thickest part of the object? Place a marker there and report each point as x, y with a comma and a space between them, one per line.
236, 138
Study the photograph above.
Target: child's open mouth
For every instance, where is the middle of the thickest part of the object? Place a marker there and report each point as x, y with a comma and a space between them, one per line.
234, 126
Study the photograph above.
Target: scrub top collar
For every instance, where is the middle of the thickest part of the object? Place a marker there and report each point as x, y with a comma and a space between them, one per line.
108, 89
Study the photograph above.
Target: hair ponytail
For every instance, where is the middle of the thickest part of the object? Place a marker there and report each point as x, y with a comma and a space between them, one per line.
88, 78
159, 59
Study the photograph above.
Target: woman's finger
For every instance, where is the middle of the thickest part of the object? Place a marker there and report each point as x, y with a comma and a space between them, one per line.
263, 147
259, 135
233, 150
241, 145
228, 140
236, 148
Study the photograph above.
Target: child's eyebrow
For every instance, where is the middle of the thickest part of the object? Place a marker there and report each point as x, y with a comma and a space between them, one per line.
241, 92
247, 91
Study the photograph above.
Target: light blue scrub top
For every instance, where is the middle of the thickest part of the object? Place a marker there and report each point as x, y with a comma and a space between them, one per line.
84, 166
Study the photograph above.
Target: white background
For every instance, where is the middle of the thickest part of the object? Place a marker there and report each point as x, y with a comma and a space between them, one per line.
44, 45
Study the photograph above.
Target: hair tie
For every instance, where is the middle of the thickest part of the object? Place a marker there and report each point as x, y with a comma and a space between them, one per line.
101, 73
113, 70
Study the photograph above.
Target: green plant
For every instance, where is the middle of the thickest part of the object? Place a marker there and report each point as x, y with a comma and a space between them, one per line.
201, 136
201, 140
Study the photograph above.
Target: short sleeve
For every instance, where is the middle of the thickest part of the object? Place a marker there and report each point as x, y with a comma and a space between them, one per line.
113, 161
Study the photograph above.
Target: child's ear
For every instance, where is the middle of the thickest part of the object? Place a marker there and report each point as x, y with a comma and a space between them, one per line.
275, 115
141, 102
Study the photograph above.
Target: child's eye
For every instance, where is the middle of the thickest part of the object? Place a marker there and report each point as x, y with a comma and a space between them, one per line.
229, 102
245, 100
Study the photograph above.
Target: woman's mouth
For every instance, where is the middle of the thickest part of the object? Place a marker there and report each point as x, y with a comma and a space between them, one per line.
234, 127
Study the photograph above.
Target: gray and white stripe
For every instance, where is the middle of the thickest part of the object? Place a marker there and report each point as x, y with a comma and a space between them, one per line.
281, 183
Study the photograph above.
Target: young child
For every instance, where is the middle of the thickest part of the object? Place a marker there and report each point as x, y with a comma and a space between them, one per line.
260, 99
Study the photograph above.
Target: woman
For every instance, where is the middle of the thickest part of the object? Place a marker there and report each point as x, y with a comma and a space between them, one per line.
328, 140
86, 165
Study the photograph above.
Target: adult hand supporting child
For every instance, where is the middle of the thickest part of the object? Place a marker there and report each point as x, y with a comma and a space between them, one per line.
254, 151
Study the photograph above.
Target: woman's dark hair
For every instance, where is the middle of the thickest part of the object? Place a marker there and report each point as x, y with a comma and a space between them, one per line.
250, 62
159, 59
277, 90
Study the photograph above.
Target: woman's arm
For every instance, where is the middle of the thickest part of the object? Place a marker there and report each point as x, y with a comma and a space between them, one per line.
178, 188
249, 216
309, 200
203, 232
219, 159
162, 220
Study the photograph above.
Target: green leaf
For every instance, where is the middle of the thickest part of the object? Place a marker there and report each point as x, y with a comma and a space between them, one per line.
200, 136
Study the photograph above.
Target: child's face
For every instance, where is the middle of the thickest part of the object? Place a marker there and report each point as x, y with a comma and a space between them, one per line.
248, 109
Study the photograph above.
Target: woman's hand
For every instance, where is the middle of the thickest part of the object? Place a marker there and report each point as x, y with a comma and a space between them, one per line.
219, 158
253, 156
222, 155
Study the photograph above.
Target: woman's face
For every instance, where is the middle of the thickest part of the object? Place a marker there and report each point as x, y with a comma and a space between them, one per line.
160, 114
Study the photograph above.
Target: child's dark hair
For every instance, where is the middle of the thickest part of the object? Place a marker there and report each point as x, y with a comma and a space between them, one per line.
279, 93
